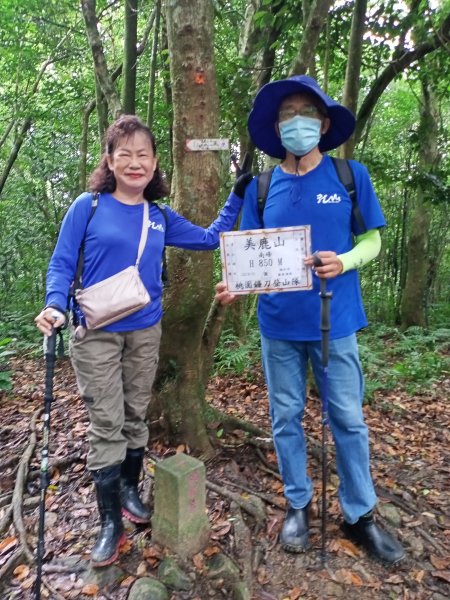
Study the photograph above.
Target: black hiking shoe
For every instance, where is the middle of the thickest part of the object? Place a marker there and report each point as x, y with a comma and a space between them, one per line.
379, 543
294, 536
132, 506
111, 537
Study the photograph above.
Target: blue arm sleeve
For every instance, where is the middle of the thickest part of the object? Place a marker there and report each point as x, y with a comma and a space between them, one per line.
184, 234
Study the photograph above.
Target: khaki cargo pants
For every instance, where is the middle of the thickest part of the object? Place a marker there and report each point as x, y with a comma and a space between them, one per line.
115, 374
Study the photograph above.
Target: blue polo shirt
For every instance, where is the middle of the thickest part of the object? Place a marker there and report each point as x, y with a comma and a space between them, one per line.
111, 245
319, 199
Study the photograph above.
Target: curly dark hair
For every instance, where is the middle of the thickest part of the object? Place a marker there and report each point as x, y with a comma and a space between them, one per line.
102, 178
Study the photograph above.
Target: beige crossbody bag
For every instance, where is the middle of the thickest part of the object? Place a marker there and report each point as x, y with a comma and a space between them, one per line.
117, 296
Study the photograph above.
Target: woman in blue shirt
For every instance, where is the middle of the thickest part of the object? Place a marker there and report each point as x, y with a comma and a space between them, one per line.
115, 365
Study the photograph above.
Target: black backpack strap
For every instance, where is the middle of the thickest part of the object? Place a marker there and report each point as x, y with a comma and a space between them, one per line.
78, 273
345, 174
164, 271
264, 179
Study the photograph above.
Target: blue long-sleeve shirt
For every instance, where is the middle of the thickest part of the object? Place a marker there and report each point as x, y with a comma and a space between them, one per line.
319, 199
111, 245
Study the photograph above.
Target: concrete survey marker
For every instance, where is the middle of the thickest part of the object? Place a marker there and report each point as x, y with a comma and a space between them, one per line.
179, 521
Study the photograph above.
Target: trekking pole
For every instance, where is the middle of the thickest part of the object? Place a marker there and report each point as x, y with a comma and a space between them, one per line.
325, 298
50, 357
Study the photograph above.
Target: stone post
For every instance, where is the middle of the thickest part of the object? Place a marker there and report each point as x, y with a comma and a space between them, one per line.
179, 521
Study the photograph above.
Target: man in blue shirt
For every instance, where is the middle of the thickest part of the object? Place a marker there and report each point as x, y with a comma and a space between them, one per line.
294, 120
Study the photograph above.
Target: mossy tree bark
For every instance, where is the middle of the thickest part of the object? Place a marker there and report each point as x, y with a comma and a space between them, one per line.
195, 187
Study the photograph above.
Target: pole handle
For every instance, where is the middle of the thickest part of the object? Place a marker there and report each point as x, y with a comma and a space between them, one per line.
49, 344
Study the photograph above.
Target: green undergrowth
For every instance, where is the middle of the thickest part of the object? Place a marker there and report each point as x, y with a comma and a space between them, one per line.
236, 356
413, 360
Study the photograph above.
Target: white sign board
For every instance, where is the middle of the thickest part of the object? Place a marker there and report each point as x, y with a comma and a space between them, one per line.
266, 260
207, 144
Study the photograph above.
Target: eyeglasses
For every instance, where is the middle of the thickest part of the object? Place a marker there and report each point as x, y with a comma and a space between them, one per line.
309, 110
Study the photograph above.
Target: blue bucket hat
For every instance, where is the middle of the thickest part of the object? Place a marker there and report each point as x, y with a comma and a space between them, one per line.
264, 115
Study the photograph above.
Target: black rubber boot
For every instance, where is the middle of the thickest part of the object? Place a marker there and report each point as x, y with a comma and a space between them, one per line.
379, 543
132, 507
294, 535
111, 537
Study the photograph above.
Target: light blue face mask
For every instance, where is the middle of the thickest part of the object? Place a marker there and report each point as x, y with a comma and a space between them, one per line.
300, 135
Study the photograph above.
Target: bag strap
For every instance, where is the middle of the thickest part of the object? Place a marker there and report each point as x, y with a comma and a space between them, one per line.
164, 270
346, 177
80, 264
144, 233
264, 179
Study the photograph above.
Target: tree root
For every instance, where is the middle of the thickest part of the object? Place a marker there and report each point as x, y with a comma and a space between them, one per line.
5, 499
28, 503
235, 422
12, 460
55, 594
268, 467
272, 500
431, 541
14, 560
255, 509
243, 546
17, 500
23, 552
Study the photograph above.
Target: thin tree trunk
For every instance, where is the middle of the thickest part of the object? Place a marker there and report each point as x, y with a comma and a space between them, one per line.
14, 152
130, 57
102, 111
316, 20
413, 300
82, 170
353, 70
100, 66
152, 78
7, 131
326, 61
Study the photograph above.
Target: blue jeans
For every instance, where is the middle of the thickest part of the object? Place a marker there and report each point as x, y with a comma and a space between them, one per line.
285, 365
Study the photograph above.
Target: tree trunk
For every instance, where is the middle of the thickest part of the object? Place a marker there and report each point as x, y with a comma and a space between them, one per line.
352, 73
195, 189
82, 170
316, 20
101, 69
130, 57
413, 301
152, 78
102, 111
14, 152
